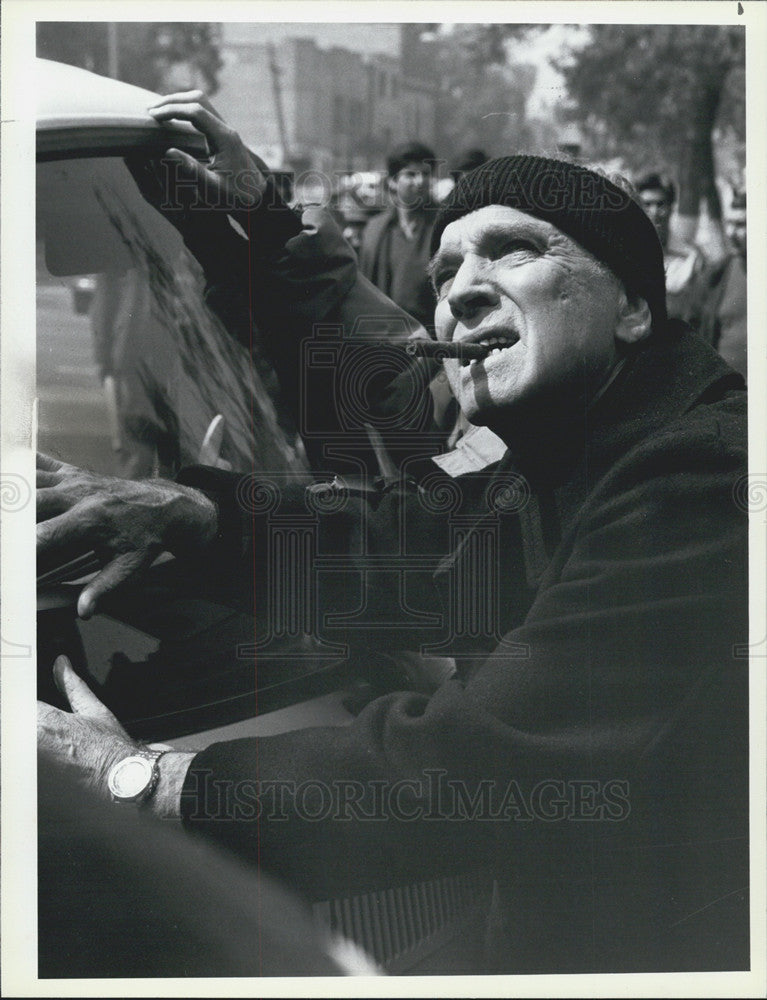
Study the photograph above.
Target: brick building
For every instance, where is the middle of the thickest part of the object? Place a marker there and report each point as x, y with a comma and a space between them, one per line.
347, 92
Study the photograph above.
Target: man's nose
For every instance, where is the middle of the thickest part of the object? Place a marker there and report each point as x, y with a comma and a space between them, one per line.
471, 289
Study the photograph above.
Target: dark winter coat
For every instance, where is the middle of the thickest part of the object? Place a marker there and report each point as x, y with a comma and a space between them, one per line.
593, 752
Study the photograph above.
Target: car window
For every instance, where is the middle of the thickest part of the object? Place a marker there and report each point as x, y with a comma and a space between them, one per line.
133, 370
133, 367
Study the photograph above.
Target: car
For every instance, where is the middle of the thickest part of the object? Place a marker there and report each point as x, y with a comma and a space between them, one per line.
137, 377
141, 382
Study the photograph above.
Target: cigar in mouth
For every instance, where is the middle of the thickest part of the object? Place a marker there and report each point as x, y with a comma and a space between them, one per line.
439, 350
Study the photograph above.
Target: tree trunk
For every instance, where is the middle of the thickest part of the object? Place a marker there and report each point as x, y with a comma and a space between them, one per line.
696, 177
697, 156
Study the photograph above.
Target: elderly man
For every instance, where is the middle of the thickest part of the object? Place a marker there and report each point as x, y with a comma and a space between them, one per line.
591, 753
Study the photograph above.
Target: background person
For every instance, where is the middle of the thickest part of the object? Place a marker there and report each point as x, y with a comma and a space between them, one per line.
120, 318
720, 306
468, 160
683, 262
395, 245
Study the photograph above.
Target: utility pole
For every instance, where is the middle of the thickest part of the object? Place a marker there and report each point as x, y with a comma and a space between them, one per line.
113, 54
277, 88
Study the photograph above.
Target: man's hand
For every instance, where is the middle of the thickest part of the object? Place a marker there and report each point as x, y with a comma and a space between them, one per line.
89, 739
126, 523
234, 179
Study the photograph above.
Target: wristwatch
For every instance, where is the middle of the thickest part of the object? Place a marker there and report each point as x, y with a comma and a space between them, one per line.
134, 778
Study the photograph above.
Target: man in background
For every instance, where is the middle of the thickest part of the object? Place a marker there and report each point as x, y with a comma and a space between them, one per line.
683, 262
720, 303
395, 245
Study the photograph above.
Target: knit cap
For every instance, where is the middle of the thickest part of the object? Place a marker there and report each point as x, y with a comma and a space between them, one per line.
585, 205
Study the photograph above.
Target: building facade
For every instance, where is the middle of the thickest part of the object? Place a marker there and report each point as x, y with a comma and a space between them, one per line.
334, 99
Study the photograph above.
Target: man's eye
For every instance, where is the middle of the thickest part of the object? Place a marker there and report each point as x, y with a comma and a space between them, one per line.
516, 246
442, 281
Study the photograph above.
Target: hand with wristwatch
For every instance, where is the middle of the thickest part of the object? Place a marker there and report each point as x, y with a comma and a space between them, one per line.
91, 742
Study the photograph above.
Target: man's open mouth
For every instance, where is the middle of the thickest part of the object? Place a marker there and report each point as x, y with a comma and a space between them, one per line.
493, 344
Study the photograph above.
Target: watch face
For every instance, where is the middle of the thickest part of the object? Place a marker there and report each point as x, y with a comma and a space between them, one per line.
131, 777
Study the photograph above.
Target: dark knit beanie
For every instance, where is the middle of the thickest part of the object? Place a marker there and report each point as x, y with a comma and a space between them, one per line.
599, 215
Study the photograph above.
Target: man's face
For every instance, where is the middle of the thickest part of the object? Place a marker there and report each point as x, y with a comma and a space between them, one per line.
658, 207
504, 276
410, 187
735, 226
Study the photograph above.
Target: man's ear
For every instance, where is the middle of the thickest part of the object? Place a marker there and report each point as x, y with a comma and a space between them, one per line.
634, 320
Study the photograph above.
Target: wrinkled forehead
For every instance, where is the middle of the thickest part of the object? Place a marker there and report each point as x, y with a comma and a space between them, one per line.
493, 221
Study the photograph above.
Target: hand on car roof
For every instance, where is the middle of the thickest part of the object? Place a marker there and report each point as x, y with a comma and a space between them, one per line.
235, 178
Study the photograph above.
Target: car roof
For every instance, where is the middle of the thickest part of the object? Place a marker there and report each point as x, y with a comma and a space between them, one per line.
80, 112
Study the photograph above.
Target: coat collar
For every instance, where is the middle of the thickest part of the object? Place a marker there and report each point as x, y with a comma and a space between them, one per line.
664, 380
661, 383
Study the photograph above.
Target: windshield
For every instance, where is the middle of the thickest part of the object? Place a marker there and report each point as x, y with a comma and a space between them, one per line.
136, 376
